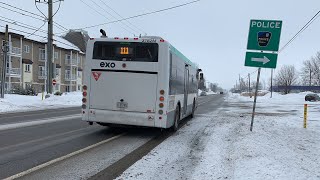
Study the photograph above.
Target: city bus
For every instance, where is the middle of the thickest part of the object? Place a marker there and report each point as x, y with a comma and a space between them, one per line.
141, 81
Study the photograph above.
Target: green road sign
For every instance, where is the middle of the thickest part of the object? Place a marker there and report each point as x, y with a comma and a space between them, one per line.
264, 60
264, 35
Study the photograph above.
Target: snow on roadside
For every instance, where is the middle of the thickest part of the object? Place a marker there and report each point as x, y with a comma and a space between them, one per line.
13, 102
219, 145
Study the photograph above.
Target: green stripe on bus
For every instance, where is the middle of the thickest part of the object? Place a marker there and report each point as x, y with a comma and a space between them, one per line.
178, 53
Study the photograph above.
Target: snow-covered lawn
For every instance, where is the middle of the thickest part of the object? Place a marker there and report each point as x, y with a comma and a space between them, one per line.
13, 102
219, 145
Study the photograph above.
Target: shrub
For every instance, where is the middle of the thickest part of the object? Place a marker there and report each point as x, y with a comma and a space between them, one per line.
58, 93
29, 90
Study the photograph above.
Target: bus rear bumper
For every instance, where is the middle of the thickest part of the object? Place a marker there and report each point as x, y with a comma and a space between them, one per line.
121, 117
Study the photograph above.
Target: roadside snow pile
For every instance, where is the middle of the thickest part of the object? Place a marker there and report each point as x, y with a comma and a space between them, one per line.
219, 145
13, 102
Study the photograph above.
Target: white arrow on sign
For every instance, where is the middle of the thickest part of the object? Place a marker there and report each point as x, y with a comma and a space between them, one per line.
264, 60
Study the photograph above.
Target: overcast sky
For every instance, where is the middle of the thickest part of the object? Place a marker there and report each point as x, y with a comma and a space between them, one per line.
211, 33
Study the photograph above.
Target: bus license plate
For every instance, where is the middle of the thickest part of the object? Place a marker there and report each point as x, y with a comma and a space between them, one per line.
122, 105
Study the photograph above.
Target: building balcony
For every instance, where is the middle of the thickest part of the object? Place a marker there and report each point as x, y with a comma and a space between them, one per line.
13, 72
71, 62
42, 75
42, 58
15, 51
70, 77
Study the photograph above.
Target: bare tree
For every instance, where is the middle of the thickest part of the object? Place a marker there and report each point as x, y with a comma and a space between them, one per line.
286, 76
310, 71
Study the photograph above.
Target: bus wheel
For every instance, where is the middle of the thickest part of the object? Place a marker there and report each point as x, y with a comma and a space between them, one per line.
193, 109
175, 126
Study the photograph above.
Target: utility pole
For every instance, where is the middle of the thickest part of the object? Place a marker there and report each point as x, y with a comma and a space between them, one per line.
4, 63
271, 82
50, 48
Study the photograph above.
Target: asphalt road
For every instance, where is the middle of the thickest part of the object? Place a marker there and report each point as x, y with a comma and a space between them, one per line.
23, 148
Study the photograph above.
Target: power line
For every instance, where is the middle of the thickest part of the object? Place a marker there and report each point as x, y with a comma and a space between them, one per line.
37, 29
35, 4
104, 10
14, 22
44, 37
18, 30
21, 9
301, 30
103, 15
144, 14
121, 16
22, 13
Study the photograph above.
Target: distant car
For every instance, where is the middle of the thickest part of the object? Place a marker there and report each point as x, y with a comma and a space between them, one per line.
312, 97
203, 93
221, 92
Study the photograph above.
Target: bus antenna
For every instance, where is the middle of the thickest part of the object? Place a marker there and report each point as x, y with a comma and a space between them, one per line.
104, 34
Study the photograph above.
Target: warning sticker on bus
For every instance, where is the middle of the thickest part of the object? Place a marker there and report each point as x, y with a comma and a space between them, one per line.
96, 75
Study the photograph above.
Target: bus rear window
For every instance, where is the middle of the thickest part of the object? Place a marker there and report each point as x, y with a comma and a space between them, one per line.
126, 51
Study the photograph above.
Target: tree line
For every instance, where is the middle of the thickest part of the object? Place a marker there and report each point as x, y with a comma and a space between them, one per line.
309, 74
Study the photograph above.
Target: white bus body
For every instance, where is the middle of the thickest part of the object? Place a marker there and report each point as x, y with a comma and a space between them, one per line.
137, 81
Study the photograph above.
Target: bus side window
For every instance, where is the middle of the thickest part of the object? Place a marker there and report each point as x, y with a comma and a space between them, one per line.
170, 65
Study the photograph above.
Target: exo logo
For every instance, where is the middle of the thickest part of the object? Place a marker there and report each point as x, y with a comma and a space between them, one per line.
107, 64
96, 75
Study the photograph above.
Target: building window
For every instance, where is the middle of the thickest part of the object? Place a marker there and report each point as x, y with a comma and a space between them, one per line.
57, 71
79, 87
79, 74
42, 54
26, 48
56, 55
42, 71
27, 68
67, 88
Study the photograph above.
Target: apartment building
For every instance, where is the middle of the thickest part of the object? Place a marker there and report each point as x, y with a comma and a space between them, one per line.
27, 63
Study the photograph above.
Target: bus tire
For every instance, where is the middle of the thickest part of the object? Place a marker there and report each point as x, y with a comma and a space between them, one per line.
175, 125
193, 109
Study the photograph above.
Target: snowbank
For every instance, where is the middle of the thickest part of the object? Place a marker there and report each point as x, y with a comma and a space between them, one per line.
219, 145
13, 102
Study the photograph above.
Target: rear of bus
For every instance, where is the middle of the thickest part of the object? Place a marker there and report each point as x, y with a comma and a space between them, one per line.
124, 82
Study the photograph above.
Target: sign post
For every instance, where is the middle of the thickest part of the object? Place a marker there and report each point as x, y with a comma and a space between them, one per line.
264, 35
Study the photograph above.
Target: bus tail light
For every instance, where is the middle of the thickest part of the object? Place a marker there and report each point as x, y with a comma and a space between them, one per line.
161, 40
161, 98
161, 105
160, 111
162, 92
135, 38
84, 94
116, 38
126, 38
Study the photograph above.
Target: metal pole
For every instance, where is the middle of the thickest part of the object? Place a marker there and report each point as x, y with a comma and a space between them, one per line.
255, 99
4, 65
271, 82
249, 82
50, 38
